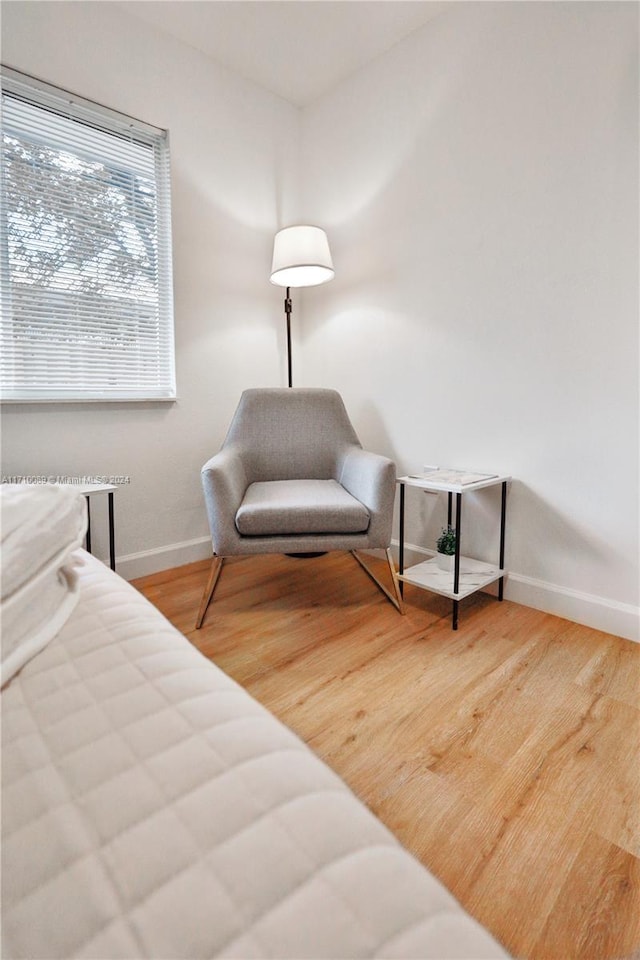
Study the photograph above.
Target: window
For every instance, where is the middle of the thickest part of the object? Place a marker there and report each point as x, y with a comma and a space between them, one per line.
85, 251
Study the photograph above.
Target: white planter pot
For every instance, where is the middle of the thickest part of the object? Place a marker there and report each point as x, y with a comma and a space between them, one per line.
446, 561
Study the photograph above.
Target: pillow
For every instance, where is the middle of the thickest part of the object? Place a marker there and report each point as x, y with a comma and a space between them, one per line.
40, 528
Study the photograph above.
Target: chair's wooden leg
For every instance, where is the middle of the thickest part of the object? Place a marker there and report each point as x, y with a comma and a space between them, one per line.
395, 597
395, 581
214, 573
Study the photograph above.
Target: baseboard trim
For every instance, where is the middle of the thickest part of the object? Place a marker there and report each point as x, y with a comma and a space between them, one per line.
133, 565
600, 613
610, 616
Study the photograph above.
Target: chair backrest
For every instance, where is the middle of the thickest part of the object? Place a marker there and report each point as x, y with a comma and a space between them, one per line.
291, 433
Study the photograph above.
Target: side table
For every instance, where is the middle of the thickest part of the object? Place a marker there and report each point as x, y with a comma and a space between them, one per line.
88, 490
468, 575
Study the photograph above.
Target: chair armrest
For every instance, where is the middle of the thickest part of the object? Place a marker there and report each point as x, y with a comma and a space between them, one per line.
224, 482
371, 479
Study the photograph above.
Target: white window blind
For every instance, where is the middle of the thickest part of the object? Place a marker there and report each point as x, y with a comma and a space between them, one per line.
85, 248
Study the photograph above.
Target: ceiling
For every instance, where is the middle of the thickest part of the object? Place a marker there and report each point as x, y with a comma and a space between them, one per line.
297, 49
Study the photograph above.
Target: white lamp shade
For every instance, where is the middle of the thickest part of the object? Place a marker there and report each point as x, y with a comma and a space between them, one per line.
301, 257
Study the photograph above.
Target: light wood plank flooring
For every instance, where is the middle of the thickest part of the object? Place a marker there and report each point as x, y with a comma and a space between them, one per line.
504, 756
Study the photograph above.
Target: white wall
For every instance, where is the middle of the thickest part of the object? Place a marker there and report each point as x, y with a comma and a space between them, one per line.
479, 184
234, 182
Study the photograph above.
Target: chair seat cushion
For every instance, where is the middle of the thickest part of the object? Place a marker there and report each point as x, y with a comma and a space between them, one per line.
285, 507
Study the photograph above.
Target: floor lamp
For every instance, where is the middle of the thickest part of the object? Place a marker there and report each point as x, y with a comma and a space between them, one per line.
301, 258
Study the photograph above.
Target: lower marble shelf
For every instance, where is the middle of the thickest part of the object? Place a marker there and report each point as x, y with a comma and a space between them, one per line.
474, 575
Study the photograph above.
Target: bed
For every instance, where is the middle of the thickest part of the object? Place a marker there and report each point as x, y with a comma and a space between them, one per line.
152, 808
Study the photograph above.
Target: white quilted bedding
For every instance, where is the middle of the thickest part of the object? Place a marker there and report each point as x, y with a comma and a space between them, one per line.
151, 808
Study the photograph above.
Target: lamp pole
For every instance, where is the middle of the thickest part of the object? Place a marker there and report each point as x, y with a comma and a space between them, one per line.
287, 310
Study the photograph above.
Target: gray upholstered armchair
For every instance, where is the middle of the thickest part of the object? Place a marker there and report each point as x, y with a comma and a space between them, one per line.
292, 477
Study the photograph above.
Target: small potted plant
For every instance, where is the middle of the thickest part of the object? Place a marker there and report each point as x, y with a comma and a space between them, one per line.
446, 547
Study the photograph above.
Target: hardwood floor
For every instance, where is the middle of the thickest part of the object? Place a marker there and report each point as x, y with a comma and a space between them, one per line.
504, 756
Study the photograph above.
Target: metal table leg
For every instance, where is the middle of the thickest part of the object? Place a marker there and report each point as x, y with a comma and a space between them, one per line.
503, 524
456, 567
88, 533
112, 534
